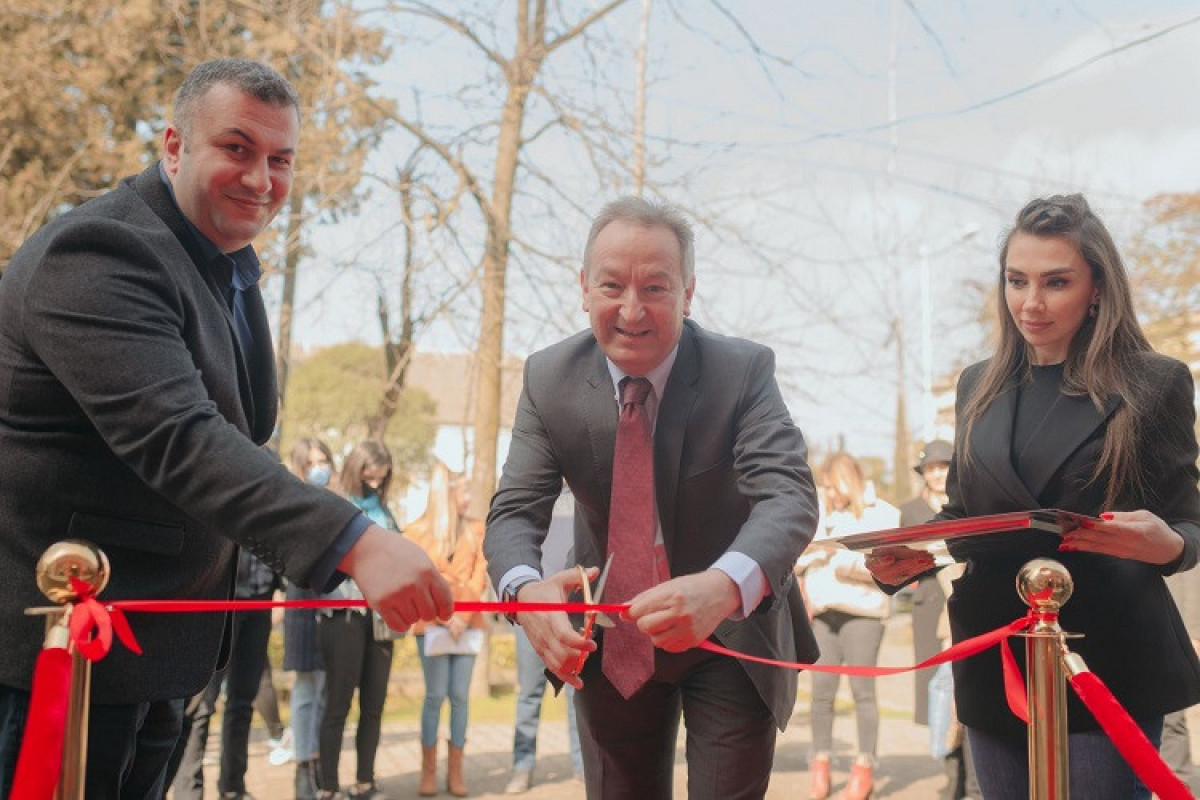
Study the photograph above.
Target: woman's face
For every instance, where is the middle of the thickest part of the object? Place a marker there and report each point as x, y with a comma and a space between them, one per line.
1048, 288
373, 475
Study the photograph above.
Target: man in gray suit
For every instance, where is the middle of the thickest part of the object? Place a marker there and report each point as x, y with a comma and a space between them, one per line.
734, 506
136, 385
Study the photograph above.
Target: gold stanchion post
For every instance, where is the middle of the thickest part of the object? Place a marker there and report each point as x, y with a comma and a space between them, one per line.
61, 562
1045, 585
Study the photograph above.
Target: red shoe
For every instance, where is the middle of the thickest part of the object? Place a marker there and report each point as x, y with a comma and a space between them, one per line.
818, 778
862, 783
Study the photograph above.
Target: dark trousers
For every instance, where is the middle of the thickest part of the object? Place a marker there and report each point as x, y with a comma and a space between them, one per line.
629, 745
928, 600
353, 660
128, 746
241, 676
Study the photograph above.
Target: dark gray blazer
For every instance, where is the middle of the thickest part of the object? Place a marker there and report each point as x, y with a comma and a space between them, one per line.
1133, 636
730, 474
129, 418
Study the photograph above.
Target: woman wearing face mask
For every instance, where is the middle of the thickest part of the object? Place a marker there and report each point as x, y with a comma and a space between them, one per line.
353, 658
1074, 411
310, 461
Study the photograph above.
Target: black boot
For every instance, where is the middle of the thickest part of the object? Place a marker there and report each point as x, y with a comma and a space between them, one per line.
306, 780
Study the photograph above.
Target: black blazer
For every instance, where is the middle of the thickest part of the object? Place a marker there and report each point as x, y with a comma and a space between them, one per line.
1134, 639
730, 474
129, 417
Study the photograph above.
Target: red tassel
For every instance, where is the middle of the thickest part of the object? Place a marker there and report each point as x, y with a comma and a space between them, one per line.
1128, 738
40, 761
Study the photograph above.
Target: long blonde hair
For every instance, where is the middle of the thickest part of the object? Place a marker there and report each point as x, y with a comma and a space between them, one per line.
843, 471
442, 509
1100, 359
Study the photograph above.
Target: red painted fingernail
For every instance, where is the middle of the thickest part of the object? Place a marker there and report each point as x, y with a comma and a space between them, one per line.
1108, 515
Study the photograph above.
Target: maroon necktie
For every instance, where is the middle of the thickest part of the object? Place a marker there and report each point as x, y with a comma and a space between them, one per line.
628, 659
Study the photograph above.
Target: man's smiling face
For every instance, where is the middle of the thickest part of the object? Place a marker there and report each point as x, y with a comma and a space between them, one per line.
635, 295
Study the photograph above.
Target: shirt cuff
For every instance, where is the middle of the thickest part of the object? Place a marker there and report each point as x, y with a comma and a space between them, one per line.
325, 576
749, 577
515, 577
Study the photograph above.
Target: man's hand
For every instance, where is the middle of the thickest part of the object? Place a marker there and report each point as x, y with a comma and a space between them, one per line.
550, 632
397, 579
683, 612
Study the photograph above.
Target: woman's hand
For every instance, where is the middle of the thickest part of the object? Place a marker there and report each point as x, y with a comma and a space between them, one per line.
456, 625
898, 566
1135, 535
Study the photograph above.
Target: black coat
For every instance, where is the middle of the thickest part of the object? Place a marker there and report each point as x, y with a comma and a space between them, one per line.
129, 417
1134, 639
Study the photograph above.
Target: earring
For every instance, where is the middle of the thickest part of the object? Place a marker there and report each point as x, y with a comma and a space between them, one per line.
1093, 310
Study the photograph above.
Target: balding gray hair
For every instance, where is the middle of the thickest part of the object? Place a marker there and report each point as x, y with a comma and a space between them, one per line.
651, 214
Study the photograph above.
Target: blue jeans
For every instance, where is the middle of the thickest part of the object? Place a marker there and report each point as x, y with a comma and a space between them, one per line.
531, 688
1097, 770
447, 676
308, 705
128, 745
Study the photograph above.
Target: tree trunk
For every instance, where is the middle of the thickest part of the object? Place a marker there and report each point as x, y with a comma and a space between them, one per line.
287, 308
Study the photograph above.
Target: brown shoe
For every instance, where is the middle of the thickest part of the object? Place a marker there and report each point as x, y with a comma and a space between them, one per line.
428, 785
862, 783
818, 778
454, 771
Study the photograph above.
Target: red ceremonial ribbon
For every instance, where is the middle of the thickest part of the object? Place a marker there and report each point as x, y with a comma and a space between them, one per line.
92, 625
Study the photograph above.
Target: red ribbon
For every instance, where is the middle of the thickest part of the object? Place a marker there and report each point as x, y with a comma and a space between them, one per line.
92, 624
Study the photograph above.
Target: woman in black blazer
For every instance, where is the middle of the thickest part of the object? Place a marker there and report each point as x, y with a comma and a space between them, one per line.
1074, 411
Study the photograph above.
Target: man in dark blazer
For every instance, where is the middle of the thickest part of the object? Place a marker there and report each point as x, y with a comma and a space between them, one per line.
136, 385
735, 506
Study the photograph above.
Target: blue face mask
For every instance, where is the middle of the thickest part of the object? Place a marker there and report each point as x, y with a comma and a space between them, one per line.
319, 474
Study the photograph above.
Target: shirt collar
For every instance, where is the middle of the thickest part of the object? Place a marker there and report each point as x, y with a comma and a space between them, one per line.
246, 267
657, 376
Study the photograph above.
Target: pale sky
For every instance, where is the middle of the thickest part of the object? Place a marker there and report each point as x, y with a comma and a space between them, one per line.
826, 207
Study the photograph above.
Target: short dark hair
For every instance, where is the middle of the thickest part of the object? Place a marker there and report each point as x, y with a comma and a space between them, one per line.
252, 77
648, 213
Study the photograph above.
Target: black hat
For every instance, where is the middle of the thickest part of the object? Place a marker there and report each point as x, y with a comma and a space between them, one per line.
939, 450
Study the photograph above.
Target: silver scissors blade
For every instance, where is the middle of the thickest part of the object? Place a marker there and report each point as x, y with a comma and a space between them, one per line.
603, 620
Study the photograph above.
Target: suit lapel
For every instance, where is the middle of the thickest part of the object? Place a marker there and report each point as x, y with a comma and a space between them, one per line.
674, 409
991, 449
1068, 425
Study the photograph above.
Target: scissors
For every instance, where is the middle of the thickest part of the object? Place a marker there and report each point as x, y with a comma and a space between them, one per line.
592, 618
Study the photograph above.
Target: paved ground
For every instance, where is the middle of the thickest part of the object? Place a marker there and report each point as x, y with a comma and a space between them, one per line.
906, 772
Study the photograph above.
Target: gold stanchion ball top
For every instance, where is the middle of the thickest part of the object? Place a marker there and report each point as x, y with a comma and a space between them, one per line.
1044, 584
68, 559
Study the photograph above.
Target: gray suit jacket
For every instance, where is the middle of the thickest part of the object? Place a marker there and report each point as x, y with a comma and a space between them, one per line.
129, 418
730, 474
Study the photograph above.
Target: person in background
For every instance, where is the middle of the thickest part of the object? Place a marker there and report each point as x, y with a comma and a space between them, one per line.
352, 657
1073, 411
454, 542
138, 385
928, 600
531, 672
931, 633
848, 619
240, 677
311, 461
1176, 746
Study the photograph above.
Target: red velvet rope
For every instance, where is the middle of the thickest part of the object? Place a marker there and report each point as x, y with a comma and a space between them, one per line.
1128, 738
39, 763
